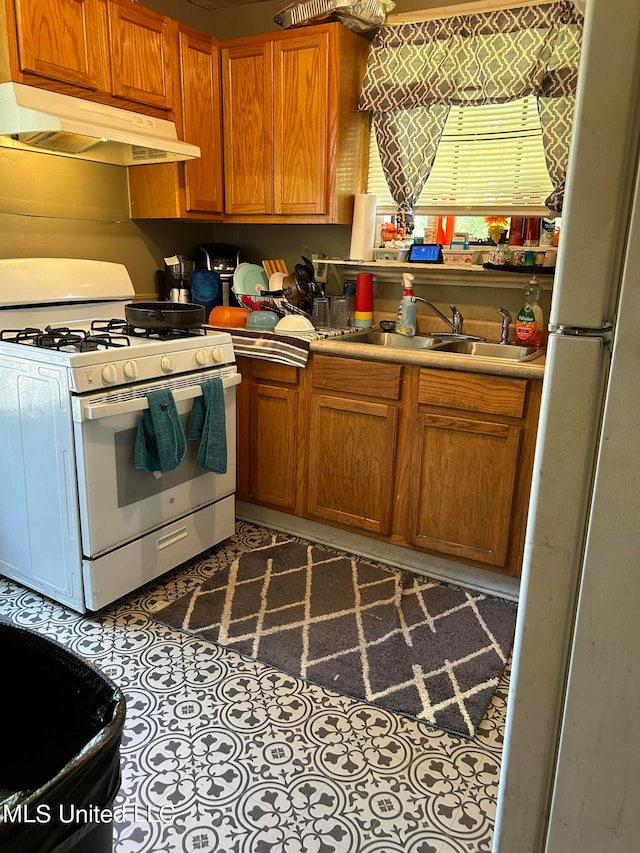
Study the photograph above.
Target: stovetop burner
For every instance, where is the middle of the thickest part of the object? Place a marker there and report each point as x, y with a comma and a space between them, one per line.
103, 334
64, 339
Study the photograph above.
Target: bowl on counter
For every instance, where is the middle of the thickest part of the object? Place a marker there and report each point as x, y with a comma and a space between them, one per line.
294, 324
229, 316
262, 321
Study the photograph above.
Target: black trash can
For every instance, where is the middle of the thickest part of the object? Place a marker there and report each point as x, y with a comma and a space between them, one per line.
61, 725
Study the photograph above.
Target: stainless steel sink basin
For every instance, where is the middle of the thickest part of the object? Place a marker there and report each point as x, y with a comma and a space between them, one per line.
393, 339
484, 349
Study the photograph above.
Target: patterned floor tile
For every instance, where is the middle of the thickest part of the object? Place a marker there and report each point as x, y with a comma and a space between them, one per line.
225, 755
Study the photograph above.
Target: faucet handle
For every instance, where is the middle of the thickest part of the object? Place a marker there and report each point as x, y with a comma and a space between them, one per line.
457, 319
506, 320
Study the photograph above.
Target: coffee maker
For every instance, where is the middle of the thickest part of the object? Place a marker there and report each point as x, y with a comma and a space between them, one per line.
177, 274
223, 258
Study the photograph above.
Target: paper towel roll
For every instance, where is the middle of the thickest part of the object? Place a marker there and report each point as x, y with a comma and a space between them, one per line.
363, 230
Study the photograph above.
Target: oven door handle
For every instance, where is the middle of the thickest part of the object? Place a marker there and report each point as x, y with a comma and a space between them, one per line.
137, 404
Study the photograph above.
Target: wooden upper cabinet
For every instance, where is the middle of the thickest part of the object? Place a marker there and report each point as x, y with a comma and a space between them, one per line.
202, 121
294, 142
247, 118
301, 115
58, 40
141, 55
193, 189
114, 52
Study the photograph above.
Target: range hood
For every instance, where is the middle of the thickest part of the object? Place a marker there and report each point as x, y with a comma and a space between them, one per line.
49, 122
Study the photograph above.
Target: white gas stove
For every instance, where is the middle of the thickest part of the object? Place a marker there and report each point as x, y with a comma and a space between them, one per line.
79, 521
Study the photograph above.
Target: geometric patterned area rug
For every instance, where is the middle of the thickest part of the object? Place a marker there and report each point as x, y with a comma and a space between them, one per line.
418, 647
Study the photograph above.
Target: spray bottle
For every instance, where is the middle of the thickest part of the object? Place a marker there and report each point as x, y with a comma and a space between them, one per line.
530, 322
408, 308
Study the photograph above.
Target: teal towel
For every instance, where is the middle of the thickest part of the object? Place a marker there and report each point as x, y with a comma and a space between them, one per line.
160, 440
209, 424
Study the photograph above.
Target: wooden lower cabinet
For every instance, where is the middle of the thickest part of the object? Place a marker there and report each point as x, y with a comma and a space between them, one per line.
268, 424
273, 425
353, 428
435, 460
471, 464
351, 462
465, 487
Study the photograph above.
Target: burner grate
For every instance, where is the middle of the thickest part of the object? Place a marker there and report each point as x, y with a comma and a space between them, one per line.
139, 332
63, 339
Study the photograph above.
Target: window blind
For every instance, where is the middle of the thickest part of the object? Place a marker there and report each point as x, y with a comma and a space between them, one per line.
490, 160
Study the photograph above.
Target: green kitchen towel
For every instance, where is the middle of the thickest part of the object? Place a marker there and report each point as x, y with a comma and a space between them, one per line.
160, 440
208, 423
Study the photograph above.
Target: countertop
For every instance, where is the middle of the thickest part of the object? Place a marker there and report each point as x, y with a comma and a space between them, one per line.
431, 358
295, 350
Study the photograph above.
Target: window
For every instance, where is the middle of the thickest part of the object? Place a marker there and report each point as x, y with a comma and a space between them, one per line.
490, 161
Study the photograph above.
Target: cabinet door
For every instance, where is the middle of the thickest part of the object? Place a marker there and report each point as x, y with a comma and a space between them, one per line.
141, 58
63, 40
465, 472
201, 119
248, 136
273, 445
352, 446
301, 93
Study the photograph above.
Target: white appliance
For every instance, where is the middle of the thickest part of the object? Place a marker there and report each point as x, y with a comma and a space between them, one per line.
78, 522
571, 765
41, 119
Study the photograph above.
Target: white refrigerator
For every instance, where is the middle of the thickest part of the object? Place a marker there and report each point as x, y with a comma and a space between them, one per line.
571, 765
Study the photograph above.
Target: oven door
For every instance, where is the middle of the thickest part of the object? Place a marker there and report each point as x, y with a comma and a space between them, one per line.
119, 503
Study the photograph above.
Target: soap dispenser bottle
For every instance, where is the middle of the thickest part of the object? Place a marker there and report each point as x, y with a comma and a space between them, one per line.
530, 322
408, 308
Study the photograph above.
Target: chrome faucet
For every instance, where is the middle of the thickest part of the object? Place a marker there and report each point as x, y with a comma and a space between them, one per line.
506, 320
455, 324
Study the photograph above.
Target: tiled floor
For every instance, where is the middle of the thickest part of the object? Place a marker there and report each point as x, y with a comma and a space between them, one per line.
224, 755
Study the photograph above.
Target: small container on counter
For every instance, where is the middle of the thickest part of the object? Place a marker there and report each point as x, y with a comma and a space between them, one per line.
531, 234
547, 227
516, 231
363, 301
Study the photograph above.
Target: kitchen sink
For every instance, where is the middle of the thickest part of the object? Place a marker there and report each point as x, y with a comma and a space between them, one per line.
393, 339
485, 349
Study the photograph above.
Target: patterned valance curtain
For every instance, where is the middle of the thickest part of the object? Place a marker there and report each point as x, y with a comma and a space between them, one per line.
415, 72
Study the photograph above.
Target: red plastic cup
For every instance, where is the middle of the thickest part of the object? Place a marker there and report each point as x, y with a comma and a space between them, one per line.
363, 301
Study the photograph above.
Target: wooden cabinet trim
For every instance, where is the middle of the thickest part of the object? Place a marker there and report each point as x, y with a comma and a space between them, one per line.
473, 392
353, 376
274, 372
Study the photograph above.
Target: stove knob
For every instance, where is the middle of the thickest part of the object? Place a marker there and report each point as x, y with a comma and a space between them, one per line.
217, 354
130, 370
109, 374
202, 358
168, 363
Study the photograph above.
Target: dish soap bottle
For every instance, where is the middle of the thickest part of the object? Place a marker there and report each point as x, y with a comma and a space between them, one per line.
530, 322
408, 308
